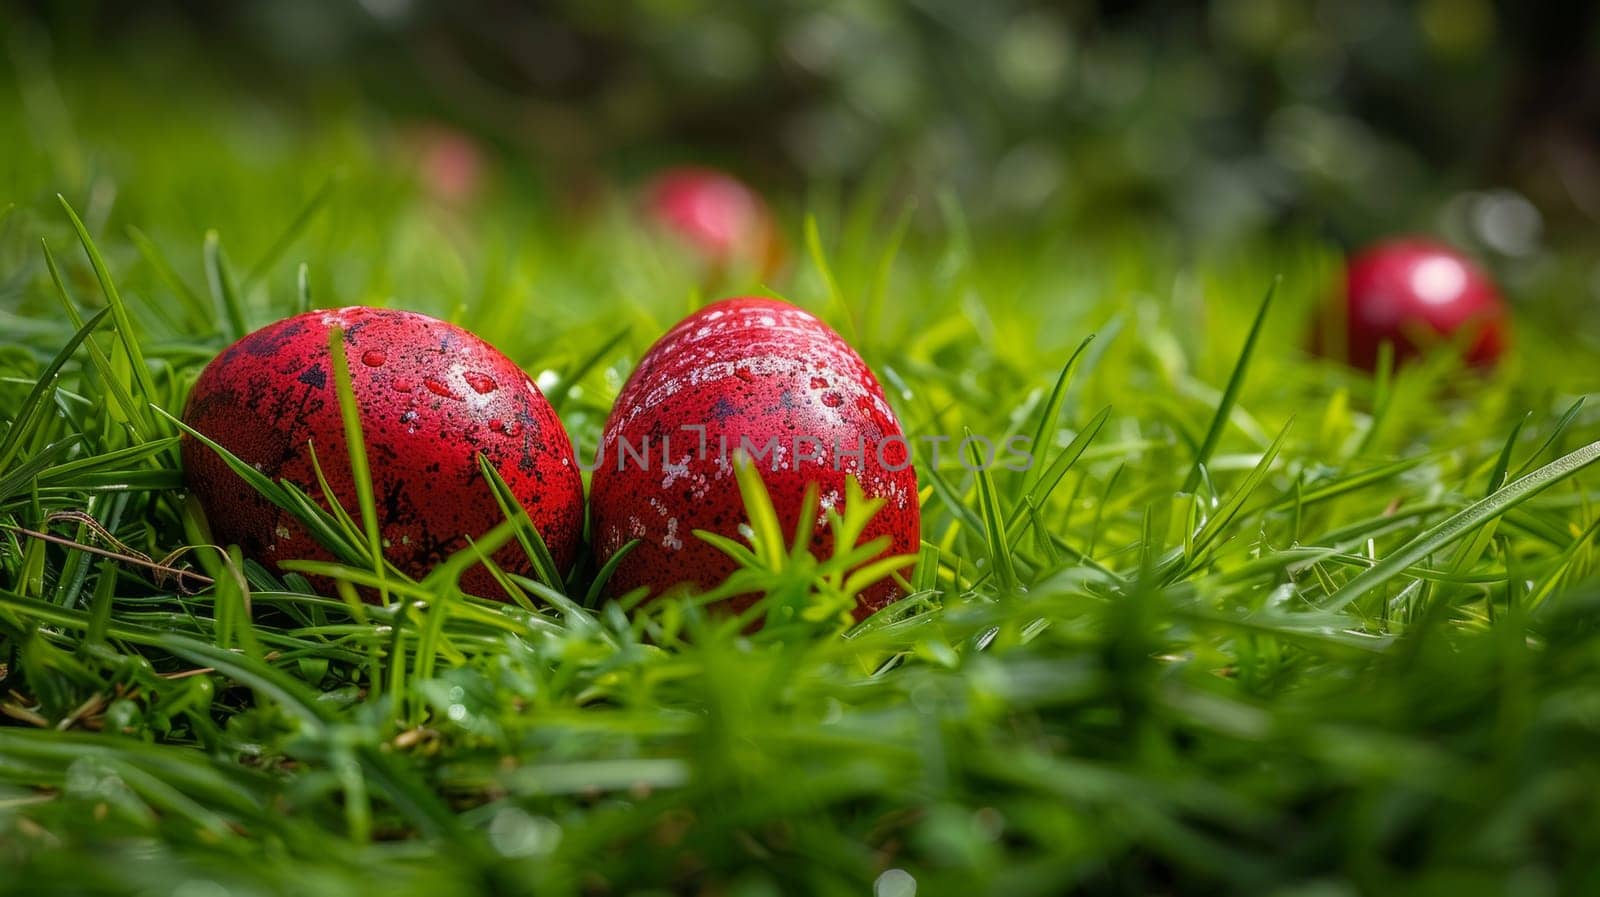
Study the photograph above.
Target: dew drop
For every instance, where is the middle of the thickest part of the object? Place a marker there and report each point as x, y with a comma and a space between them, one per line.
745, 375
819, 383
439, 389
832, 399
483, 384
496, 423
401, 384
373, 358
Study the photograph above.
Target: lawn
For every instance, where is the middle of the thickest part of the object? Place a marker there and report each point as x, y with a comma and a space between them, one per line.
1256, 622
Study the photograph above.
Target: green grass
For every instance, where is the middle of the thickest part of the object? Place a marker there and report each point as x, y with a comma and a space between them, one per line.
1256, 622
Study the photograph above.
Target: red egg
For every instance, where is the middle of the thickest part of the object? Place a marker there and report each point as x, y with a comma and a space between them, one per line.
449, 164
747, 374
1415, 293
432, 397
718, 216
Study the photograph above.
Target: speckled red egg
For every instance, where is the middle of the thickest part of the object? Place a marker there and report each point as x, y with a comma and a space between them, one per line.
744, 373
432, 397
1415, 293
716, 215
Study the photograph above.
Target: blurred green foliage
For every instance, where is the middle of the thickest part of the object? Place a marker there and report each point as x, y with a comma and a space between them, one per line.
1201, 126
1347, 118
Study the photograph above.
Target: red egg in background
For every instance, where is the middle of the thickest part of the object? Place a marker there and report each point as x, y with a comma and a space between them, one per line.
450, 164
431, 396
1415, 293
745, 369
717, 216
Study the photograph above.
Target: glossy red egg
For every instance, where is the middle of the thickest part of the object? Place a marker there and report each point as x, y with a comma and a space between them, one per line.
432, 397
1415, 294
717, 216
745, 373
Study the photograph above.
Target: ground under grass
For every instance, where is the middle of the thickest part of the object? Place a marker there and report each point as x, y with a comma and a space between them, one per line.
1258, 622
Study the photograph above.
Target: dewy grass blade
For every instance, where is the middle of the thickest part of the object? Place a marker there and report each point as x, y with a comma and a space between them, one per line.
1230, 395
1462, 523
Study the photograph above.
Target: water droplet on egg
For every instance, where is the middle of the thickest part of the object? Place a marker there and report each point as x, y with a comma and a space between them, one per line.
745, 375
832, 399
439, 389
373, 358
483, 384
401, 385
819, 383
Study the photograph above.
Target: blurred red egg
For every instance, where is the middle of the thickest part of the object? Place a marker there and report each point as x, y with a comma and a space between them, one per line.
717, 216
1415, 294
450, 164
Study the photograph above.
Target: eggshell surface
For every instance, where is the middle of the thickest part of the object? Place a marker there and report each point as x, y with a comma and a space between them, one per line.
431, 398
769, 378
1414, 293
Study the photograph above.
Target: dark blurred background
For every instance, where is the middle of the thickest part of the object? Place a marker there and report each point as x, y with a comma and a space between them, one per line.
1479, 119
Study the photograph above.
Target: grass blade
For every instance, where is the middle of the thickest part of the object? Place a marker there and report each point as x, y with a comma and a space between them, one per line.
1052, 410
994, 519
22, 419
356, 446
291, 233
223, 292
544, 564
119, 311
1462, 523
1230, 395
